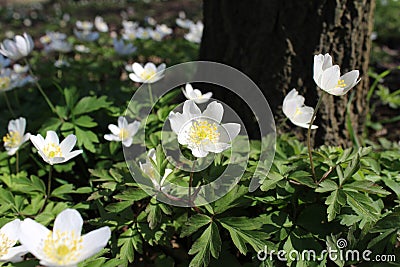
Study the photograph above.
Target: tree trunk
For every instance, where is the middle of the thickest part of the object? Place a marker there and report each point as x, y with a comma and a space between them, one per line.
274, 42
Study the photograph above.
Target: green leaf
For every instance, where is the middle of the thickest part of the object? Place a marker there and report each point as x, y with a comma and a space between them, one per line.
90, 103
271, 180
153, 214
244, 230
365, 186
63, 190
209, 243
395, 186
230, 200
363, 206
132, 194
335, 201
351, 169
327, 186
194, 224
85, 121
86, 138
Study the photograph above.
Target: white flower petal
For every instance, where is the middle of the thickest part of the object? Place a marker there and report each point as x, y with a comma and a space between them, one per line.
215, 111
51, 137
330, 78
111, 137
71, 155
14, 254
37, 141
31, 236
114, 129
127, 142
199, 152
11, 229
93, 242
229, 132
67, 144
69, 220
135, 78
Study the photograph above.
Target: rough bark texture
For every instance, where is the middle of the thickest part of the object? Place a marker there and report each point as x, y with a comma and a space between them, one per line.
274, 42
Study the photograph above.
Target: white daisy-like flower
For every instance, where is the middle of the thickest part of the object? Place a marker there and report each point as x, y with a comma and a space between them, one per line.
18, 48
123, 49
328, 78
203, 132
64, 246
16, 135
100, 24
82, 48
147, 74
9, 236
293, 107
124, 132
84, 25
149, 170
87, 36
195, 94
195, 32
52, 151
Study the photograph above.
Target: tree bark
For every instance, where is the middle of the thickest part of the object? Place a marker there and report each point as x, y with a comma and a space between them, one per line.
274, 42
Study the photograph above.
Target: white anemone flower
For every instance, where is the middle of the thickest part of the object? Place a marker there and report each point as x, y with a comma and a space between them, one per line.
82, 48
203, 132
87, 36
100, 24
19, 69
147, 74
195, 94
9, 236
164, 29
64, 246
124, 132
328, 78
52, 151
149, 170
293, 107
195, 32
84, 25
18, 48
123, 49
16, 135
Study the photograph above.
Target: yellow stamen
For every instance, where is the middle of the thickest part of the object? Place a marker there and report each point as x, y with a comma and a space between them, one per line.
298, 111
4, 82
52, 150
5, 244
147, 74
341, 84
203, 130
123, 133
12, 139
62, 247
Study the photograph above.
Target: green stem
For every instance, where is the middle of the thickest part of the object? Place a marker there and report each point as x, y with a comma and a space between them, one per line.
53, 109
9, 105
309, 136
17, 162
151, 95
49, 182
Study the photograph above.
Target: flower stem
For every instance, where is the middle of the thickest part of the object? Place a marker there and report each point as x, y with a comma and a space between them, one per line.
151, 96
49, 182
191, 202
53, 109
17, 162
8, 104
309, 136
